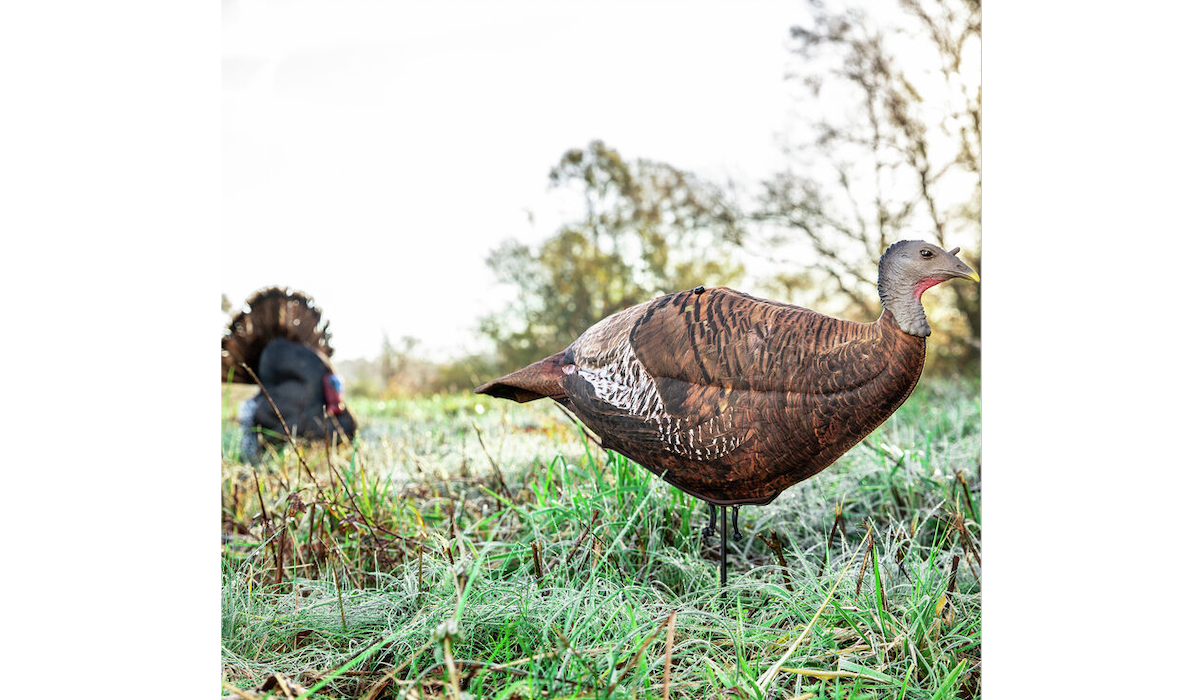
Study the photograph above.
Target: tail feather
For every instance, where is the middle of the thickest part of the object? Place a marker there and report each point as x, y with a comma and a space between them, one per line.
540, 380
271, 313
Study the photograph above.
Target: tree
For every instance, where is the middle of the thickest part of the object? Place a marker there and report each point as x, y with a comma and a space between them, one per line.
395, 361
890, 148
644, 229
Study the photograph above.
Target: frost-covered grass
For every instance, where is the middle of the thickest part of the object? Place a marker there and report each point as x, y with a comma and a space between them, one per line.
469, 547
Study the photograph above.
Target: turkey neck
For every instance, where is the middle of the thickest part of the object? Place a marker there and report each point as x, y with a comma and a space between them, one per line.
904, 301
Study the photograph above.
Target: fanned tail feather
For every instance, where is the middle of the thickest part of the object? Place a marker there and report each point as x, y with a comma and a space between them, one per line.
271, 313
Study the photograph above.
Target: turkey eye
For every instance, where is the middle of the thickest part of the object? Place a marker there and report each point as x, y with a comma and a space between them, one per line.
926, 253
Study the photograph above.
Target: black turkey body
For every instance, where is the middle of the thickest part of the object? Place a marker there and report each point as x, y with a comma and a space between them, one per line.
282, 339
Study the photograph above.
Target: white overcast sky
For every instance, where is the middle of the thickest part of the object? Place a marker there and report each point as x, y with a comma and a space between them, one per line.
374, 152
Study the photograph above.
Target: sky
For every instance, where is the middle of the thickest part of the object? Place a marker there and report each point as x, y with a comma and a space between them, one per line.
374, 152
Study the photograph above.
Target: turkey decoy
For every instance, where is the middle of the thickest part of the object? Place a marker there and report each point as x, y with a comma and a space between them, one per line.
732, 398
280, 336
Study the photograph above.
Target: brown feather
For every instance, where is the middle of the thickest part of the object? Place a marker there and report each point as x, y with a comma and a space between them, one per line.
729, 397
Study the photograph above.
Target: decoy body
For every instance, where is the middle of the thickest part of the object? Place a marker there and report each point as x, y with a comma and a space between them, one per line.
732, 398
281, 337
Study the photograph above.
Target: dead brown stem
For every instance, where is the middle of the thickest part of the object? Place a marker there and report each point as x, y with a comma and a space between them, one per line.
495, 467
578, 542
776, 546
870, 542
667, 656
837, 519
967, 492
641, 650
537, 561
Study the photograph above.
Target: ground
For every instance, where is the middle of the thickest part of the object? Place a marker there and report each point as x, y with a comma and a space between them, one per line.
467, 547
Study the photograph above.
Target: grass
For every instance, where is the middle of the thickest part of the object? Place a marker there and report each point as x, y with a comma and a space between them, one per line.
466, 547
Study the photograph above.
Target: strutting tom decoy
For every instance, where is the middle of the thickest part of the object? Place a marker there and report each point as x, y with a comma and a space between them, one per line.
279, 334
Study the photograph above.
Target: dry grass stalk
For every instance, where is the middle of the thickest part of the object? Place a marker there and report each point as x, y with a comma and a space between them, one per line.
945, 608
420, 573
582, 535
290, 690
495, 467
837, 519
824, 675
870, 540
966, 541
286, 431
451, 670
537, 561
777, 547
667, 657
962, 480
953, 576
641, 650
239, 692
586, 664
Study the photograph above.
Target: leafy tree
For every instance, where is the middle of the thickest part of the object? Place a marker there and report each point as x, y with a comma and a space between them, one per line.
644, 229
466, 373
889, 148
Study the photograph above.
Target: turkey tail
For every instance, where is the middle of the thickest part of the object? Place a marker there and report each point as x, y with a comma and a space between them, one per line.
542, 379
271, 313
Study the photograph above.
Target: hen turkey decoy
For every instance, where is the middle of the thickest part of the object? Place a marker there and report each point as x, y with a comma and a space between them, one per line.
280, 336
732, 398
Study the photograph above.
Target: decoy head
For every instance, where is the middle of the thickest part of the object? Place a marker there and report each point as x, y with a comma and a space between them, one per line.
907, 270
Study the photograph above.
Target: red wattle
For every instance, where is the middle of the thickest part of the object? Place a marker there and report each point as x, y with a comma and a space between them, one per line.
333, 398
925, 284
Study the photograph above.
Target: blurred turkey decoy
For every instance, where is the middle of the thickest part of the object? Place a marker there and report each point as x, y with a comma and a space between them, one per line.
732, 398
280, 335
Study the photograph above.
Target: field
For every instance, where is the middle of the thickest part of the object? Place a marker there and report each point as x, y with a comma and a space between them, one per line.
467, 547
